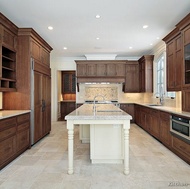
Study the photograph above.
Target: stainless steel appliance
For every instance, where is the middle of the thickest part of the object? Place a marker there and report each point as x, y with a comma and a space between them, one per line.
180, 126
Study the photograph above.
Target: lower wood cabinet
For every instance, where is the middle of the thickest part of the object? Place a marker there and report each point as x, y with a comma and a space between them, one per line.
129, 108
14, 137
181, 148
157, 123
165, 135
67, 108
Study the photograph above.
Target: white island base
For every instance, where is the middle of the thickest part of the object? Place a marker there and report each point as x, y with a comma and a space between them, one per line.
109, 135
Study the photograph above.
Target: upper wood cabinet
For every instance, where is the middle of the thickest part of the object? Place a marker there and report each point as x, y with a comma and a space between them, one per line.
100, 71
174, 60
146, 73
68, 82
132, 77
8, 54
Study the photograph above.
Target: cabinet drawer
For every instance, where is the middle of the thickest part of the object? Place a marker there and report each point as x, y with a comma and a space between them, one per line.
181, 146
7, 123
23, 126
7, 133
23, 140
23, 118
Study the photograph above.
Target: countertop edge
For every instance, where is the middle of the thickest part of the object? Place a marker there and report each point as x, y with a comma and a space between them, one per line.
11, 113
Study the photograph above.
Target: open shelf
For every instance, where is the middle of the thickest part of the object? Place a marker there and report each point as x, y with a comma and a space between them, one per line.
8, 70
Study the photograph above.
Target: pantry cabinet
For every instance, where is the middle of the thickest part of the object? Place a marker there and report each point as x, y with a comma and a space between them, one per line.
14, 137
8, 55
68, 82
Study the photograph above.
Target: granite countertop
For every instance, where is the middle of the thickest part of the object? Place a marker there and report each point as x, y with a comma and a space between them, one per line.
103, 111
10, 113
173, 110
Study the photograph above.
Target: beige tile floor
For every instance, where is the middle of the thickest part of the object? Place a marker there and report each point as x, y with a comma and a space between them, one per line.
44, 166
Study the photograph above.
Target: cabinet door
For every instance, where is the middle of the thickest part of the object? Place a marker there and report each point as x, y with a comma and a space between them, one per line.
7, 38
132, 78
142, 77
101, 69
45, 57
120, 69
91, 69
111, 70
37, 106
81, 69
165, 135
46, 107
170, 66
68, 82
186, 100
35, 50
178, 63
138, 115
155, 125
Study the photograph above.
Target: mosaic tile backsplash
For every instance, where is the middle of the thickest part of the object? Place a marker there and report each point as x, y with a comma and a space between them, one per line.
109, 93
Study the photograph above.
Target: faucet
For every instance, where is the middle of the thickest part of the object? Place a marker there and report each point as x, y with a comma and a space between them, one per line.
94, 107
161, 96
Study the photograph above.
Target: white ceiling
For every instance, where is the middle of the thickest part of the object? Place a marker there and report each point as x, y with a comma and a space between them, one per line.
119, 27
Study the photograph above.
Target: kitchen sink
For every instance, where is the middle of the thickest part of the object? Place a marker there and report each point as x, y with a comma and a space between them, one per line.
108, 110
154, 105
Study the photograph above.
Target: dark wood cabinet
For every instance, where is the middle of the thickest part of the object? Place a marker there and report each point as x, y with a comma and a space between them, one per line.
146, 73
14, 137
132, 77
33, 82
68, 82
130, 109
8, 53
155, 123
100, 70
67, 108
165, 135
174, 60
181, 148
137, 114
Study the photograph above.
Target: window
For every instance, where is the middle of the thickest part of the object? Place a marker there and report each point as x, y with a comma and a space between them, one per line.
161, 78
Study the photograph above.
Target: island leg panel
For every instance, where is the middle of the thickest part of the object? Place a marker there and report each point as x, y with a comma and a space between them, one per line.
70, 127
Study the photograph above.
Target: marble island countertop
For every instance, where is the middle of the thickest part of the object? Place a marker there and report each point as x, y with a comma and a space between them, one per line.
103, 111
10, 113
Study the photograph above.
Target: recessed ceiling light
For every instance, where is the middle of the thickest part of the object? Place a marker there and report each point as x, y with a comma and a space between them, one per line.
157, 38
130, 47
65, 48
97, 38
145, 26
151, 44
50, 27
98, 16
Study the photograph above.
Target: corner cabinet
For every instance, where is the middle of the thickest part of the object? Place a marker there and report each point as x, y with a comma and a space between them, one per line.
33, 82
8, 54
146, 73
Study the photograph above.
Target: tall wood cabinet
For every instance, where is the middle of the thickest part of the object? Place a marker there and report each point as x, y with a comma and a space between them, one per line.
146, 73
33, 82
174, 60
8, 54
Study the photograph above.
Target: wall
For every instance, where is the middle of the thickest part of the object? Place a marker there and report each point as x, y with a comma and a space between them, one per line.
58, 64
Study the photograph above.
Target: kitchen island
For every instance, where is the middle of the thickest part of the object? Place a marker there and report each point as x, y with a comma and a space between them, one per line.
108, 125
